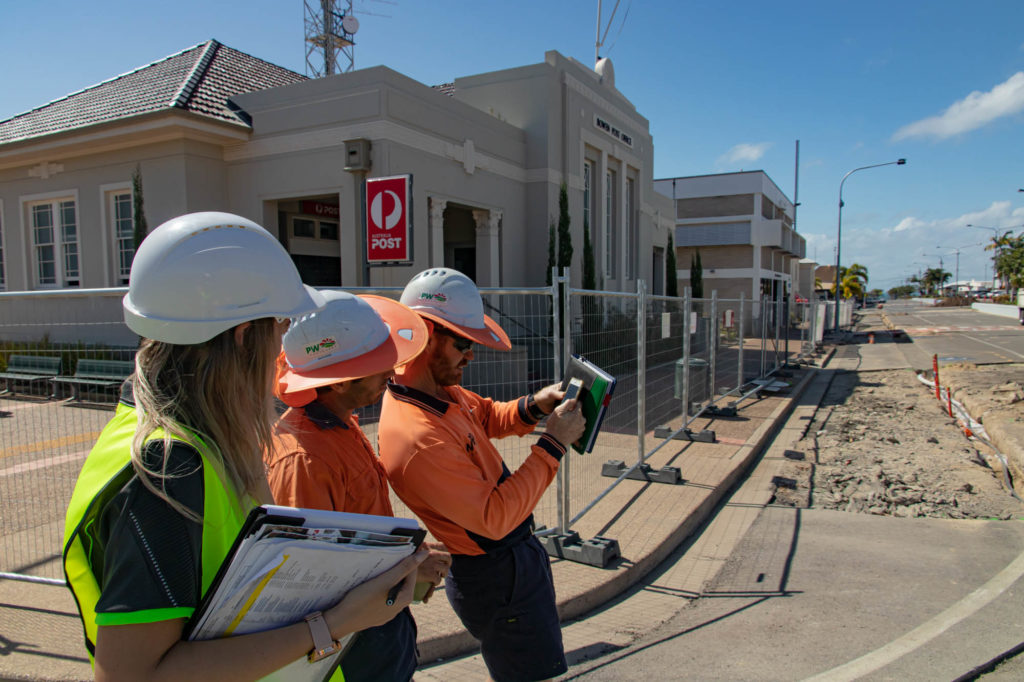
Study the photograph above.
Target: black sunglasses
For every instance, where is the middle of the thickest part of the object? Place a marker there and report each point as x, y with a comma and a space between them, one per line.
461, 343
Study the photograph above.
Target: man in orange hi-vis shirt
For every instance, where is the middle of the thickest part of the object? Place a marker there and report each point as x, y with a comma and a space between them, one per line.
335, 361
435, 444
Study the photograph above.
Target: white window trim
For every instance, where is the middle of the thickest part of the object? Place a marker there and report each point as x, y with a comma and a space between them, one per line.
628, 229
107, 239
29, 247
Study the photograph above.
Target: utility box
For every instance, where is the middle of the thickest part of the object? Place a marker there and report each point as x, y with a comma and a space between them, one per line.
357, 155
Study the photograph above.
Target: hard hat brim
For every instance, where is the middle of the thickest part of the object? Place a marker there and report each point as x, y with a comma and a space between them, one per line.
406, 339
192, 332
491, 335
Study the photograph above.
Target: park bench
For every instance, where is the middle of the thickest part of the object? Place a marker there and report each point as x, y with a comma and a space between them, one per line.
97, 374
30, 369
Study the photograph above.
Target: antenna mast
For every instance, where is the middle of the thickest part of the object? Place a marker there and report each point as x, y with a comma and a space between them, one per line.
330, 32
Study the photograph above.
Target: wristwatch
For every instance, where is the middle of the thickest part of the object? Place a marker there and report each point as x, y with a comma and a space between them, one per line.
323, 644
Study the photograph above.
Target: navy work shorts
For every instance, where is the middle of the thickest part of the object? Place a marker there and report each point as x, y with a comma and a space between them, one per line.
506, 599
386, 653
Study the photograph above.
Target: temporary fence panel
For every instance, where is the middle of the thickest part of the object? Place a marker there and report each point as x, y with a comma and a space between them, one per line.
666, 353
44, 435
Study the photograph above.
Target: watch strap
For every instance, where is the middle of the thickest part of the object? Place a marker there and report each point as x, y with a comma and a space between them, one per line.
323, 644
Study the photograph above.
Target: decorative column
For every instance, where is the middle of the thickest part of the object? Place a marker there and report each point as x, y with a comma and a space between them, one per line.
488, 231
436, 252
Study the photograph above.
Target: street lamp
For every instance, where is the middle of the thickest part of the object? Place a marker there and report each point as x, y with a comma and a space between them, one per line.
956, 250
839, 228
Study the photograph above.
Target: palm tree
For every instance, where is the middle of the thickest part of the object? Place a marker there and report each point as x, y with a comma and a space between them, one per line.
999, 243
934, 278
852, 281
851, 285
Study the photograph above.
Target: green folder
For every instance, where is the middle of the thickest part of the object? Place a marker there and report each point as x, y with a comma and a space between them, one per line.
593, 399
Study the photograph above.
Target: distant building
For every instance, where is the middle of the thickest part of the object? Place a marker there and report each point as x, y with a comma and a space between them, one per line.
826, 275
742, 225
212, 128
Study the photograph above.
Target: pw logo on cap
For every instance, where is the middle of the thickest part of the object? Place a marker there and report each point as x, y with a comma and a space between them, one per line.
440, 298
325, 344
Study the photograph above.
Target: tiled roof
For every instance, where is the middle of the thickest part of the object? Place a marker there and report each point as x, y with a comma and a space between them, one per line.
199, 79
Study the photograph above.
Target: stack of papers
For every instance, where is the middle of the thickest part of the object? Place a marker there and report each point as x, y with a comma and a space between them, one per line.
288, 562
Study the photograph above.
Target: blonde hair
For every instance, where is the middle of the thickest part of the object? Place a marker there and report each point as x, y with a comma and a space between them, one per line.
217, 391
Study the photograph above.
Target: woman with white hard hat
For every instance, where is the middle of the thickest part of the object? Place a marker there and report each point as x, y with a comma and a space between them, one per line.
174, 474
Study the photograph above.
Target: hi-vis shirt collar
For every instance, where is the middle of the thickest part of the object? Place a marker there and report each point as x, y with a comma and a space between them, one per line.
322, 417
413, 396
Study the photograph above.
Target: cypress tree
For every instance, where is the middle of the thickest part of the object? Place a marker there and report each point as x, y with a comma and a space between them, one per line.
696, 276
564, 236
672, 283
139, 226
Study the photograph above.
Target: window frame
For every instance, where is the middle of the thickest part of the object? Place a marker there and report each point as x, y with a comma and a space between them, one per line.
610, 222
62, 254
120, 275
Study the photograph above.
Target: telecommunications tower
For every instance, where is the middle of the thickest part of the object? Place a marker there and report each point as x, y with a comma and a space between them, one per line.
331, 26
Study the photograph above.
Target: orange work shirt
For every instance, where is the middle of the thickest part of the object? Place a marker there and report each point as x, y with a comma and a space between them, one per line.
440, 461
323, 462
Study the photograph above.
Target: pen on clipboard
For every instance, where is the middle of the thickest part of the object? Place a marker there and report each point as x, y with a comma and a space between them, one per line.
393, 592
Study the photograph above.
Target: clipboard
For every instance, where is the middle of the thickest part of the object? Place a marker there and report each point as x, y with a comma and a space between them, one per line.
235, 582
594, 397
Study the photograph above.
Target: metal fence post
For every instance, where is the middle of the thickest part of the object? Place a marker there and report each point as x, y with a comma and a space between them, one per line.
714, 343
786, 312
565, 497
764, 332
686, 354
778, 331
741, 325
556, 329
641, 368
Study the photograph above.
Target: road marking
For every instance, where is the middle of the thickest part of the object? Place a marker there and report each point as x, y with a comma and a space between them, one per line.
989, 343
50, 444
53, 461
10, 406
928, 630
957, 330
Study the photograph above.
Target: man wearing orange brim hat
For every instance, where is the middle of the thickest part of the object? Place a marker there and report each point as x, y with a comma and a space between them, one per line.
334, 361
435, 444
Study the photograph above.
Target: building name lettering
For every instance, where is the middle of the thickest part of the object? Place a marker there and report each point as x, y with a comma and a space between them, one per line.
613, 131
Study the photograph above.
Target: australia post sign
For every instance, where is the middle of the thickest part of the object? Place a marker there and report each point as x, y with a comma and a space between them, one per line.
389, 219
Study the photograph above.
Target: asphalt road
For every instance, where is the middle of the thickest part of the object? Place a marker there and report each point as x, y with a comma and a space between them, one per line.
825, 595
959, 334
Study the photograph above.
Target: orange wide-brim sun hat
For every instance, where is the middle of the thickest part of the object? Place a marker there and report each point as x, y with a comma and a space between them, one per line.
490, 335
329, 350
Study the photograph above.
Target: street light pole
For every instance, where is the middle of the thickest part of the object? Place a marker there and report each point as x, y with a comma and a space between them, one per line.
839, 227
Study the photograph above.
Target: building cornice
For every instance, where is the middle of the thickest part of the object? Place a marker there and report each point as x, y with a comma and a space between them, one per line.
146, 129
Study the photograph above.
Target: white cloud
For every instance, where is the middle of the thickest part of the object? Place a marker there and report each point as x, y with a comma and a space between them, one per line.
895, 251
908, 223
972, 112
744, 153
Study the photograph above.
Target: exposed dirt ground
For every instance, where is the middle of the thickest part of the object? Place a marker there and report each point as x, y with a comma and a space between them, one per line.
881, 444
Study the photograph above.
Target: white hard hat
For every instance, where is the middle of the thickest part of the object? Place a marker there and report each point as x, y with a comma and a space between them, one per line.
351, 338
200, 274
450, 298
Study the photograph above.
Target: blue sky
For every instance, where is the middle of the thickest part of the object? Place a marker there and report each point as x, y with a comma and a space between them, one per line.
725, 85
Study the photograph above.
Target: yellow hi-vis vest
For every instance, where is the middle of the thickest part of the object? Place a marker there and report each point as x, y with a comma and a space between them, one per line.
106, 471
